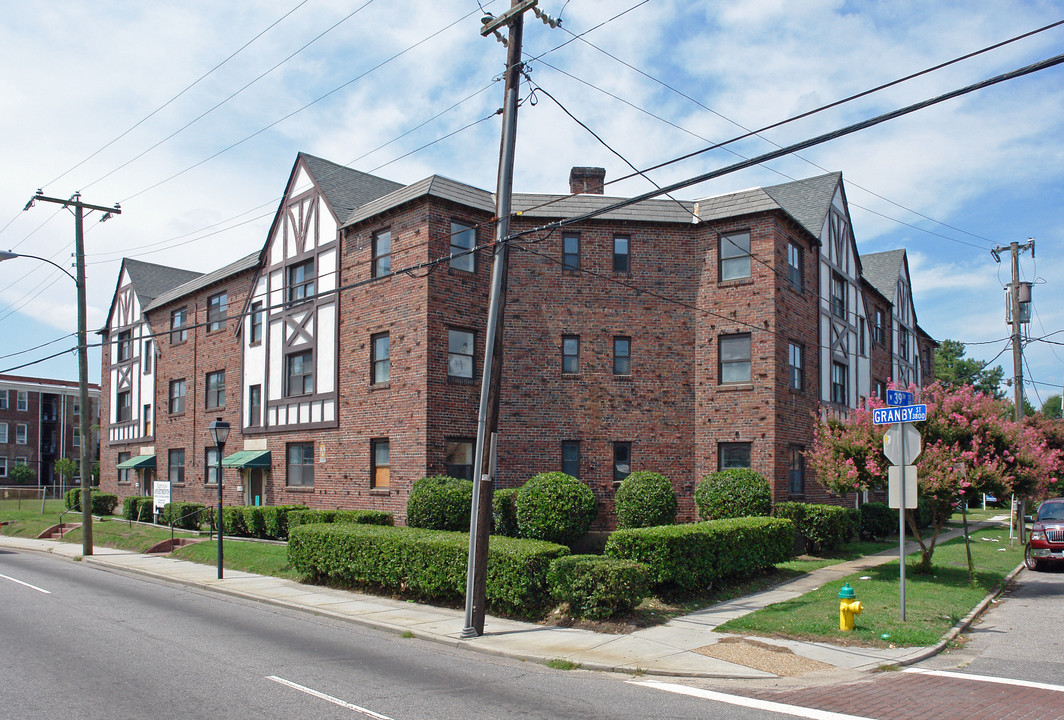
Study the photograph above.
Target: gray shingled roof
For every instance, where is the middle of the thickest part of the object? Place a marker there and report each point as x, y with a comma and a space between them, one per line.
202, 281
346, 189
882, 271
808, 200
434, 185
744, 202
151, 280
531, 205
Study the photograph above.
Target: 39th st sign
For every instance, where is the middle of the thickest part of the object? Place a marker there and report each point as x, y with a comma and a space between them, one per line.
891, 415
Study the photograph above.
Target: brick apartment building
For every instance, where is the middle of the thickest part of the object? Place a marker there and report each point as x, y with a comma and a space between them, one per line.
39, 424
680, 337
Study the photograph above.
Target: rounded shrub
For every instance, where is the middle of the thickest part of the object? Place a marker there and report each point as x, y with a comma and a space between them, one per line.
736, 492
440, 502
503, 512
554, 507
598, 587
645, 499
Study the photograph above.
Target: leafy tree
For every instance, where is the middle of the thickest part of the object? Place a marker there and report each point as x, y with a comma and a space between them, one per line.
1051, 407
953, 369
66, 468
970, 446
22, 474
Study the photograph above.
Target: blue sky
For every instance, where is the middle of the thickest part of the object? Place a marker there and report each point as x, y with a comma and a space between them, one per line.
946, 183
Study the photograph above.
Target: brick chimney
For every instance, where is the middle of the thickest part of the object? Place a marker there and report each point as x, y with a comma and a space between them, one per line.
587, 180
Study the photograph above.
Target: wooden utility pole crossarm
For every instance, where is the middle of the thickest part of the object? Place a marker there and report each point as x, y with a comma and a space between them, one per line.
83, 355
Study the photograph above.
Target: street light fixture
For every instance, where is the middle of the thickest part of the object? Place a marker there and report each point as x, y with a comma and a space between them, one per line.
219, 433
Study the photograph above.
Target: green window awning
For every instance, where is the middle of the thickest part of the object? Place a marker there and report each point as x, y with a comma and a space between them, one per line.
137, 462
248, 459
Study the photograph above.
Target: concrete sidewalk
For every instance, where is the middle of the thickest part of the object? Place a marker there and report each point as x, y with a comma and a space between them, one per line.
686, 646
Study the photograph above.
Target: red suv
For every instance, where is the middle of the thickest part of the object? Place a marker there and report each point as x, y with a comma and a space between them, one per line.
1047, 535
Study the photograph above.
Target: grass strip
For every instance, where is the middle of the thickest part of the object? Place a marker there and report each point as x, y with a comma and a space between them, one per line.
934, 602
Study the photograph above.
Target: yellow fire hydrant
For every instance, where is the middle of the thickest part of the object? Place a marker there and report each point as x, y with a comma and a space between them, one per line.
848, 607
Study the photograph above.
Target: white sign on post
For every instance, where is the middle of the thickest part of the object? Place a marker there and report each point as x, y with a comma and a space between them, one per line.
160, 494
894, 480
893, 442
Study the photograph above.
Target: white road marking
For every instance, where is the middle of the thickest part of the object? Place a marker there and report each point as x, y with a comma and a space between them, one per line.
42, 590
327, 698
987, 678
765, 705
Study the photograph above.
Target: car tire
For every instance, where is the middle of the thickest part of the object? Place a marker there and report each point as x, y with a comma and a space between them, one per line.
1030, 562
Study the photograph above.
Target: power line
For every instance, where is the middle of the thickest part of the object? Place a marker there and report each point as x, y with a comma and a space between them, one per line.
300, 109
232, 95
802, 145
758, 133
188, 87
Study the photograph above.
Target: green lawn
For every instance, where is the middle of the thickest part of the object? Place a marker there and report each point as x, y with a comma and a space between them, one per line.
258, 558
933, 602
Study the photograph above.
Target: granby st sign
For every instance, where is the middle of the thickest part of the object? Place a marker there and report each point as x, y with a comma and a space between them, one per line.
891, 415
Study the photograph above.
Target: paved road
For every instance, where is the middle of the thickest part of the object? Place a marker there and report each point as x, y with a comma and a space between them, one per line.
79, 641
1011, 665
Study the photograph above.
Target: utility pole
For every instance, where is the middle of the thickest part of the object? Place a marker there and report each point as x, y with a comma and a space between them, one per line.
1014, 249
488, 413
83, 350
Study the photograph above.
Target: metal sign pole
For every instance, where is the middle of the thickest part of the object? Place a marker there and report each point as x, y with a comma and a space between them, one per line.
901, 525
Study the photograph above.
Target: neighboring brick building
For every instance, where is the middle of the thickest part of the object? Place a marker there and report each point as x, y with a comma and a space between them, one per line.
679, 337
40, 423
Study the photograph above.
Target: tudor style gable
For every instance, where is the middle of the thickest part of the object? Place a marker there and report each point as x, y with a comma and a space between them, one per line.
290, 329
131, 370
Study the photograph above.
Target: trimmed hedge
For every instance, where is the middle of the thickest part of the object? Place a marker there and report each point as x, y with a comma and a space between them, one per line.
429, 564
185, 515
554, 507
877, 521
362, 517
690, 557
137, 507
440, 502
645, 499
269, 522
102, 503
504, 512
598, 587
824, 527
736, 492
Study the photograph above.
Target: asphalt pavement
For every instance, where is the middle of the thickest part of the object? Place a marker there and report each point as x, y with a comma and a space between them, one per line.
687, 646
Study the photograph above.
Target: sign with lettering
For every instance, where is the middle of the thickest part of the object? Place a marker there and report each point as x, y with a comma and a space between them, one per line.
899, 397
891, 415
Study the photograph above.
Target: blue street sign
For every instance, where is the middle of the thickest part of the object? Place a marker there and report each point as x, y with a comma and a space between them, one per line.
899, 397
891, 415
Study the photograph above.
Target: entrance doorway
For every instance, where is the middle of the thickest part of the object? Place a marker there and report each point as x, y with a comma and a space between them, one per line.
256, 494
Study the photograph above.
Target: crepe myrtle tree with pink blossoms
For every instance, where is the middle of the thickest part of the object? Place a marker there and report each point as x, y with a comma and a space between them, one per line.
970, 446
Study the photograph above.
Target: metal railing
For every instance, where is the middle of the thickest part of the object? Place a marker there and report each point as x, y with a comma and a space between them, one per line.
174, 522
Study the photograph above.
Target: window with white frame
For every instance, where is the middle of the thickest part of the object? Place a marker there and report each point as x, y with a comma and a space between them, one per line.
570, 354
734, 256
3, 433
734, 359
177, 396
21, 433
3, 399
458, 458
622, 355
23, 401
3, 466
77, 436
210, 464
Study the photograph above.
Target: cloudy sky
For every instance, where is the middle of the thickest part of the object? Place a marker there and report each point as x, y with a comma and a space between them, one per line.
190, 114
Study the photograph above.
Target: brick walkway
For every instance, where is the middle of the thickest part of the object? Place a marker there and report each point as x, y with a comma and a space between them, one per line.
901, 696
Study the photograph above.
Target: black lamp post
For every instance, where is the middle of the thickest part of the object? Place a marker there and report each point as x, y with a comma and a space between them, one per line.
219, 433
